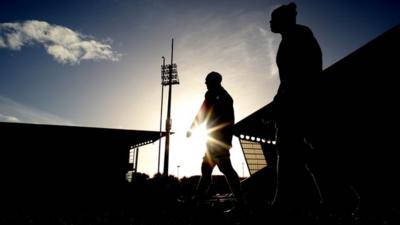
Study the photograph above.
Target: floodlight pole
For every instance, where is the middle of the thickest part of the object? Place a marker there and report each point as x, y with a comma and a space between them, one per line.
159, 142
168, 124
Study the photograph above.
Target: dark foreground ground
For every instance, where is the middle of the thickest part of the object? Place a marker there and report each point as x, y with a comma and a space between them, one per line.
164, 200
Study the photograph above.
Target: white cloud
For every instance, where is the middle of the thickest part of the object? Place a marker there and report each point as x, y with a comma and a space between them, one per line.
65, 45
61, 54
12, 111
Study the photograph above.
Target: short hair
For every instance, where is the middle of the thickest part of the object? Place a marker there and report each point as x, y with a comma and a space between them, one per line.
214, 77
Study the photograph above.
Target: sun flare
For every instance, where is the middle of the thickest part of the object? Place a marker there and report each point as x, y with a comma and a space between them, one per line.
199, 135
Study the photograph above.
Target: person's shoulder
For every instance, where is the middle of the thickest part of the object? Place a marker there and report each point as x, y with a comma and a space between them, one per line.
302, 29
227, 95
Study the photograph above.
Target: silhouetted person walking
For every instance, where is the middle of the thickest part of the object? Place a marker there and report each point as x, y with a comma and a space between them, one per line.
218, 114
299, 60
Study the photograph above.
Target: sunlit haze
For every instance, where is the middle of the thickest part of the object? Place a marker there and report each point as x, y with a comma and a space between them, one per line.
97, 63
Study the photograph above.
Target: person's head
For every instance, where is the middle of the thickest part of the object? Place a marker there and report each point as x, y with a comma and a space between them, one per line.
283, 18
213, 80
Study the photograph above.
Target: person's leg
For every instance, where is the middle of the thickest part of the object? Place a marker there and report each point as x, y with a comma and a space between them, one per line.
225, 166
292, 173
207, 167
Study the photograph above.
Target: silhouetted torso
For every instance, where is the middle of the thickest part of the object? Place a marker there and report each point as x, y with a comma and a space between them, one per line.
219, 110
299, 60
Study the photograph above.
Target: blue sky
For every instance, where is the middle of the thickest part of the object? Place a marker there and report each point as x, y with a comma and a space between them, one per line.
97, 63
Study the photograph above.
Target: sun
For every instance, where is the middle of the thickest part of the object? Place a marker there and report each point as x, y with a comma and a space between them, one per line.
186, 153
199, 135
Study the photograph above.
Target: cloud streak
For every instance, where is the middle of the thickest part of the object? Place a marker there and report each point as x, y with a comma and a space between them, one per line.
12, 111
7, 118
65, 45
239, 45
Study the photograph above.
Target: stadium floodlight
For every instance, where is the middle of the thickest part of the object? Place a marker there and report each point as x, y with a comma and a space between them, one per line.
168, 71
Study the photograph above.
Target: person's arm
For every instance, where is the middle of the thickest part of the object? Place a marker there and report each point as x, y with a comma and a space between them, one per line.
200, 116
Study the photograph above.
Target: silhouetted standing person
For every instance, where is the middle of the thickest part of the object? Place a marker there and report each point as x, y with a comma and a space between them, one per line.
299, 60
218, 114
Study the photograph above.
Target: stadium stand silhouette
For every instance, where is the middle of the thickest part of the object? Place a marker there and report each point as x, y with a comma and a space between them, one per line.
60, 165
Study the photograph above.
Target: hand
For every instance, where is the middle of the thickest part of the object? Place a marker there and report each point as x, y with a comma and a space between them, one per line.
188, 134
